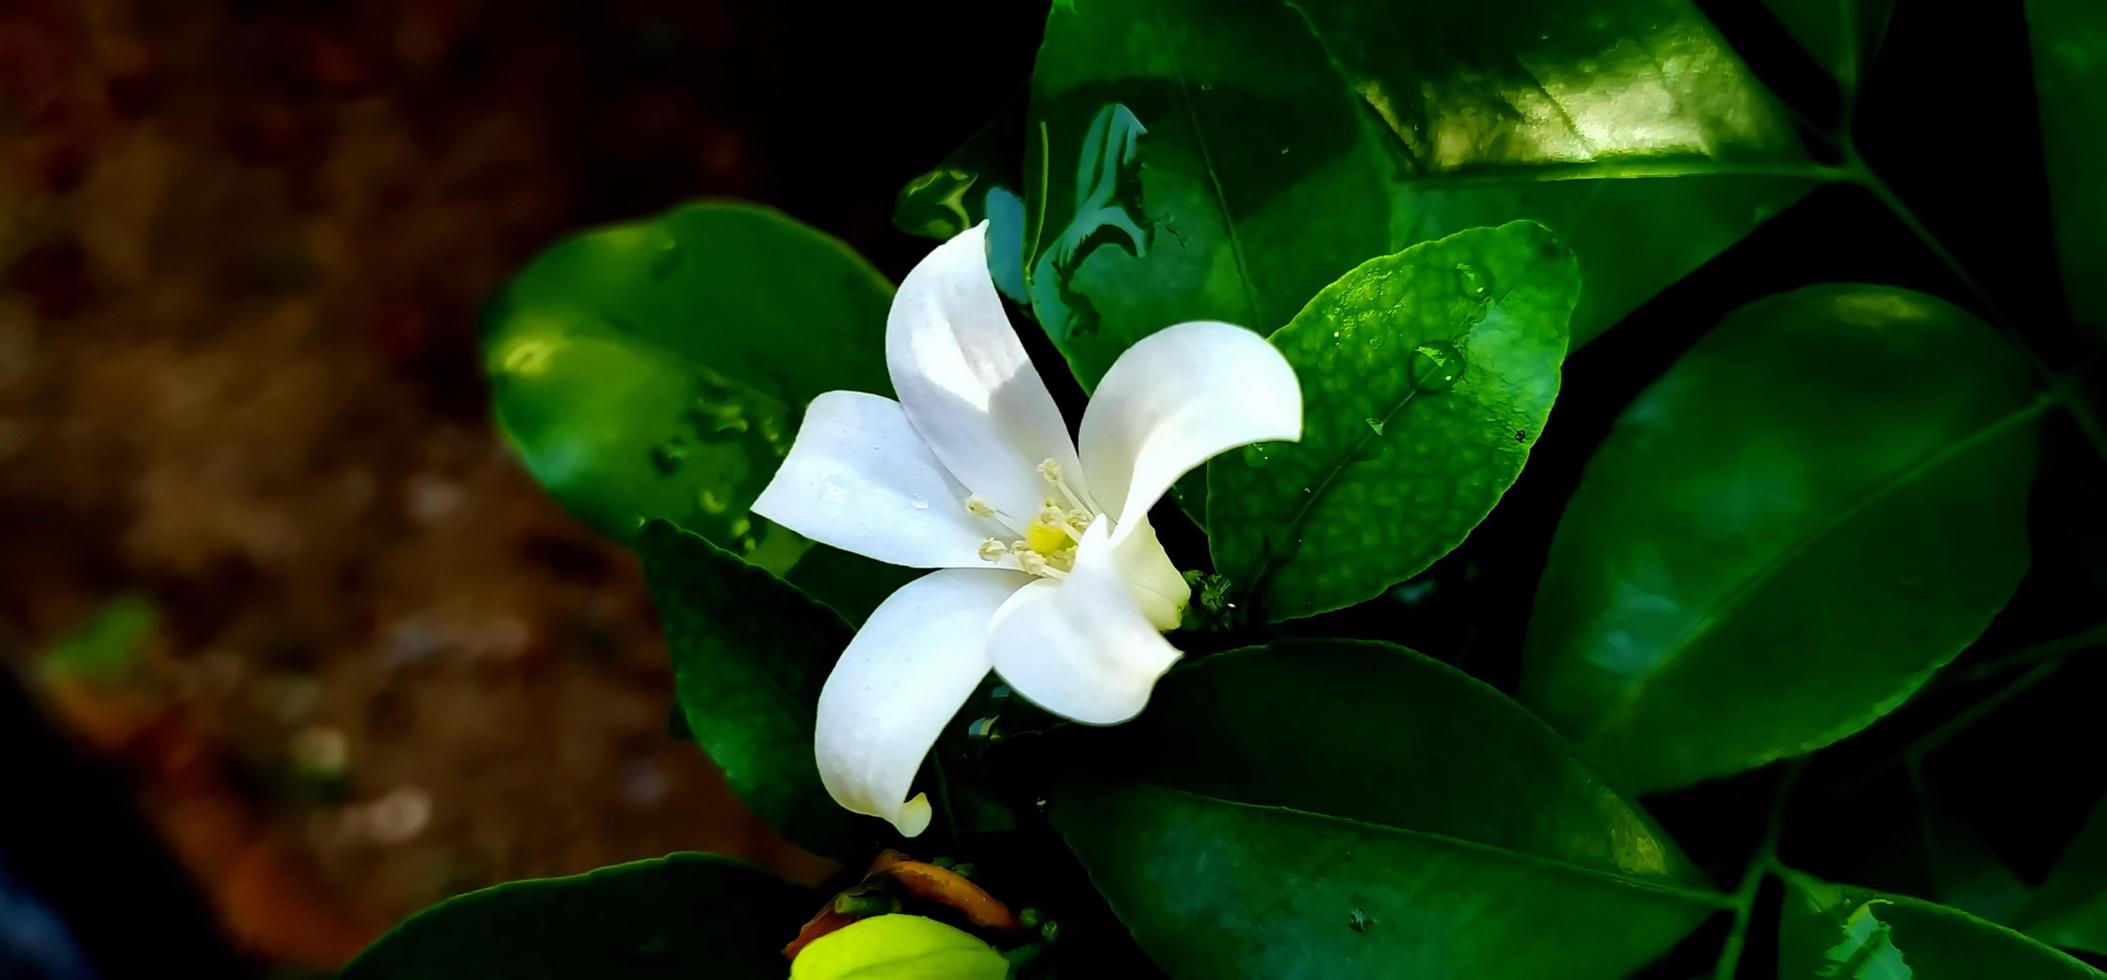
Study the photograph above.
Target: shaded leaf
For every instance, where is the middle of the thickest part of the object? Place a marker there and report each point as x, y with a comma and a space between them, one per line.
680, 916
977, 182
750, 653
2070, 79
1815, 508
1426, 378
2070, 908
1249, 825
1830, 930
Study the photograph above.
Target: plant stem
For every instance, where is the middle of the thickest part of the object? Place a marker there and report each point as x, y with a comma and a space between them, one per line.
1759, 867
2059, 386
2055, 649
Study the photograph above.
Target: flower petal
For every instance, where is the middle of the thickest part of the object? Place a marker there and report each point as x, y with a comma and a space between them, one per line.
1080, 646
903, 676
1178, 397
966, 383
1157, 585
860, 479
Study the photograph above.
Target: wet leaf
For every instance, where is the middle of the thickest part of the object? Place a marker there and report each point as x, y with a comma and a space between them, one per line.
1467, 839
1426, 377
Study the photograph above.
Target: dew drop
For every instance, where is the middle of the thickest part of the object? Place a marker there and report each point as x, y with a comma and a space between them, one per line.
1257, 457
711, 503
919, 503
1472, 281
1436, 366
1375, 424
983, 730
665, 257
666, 457
1358, 920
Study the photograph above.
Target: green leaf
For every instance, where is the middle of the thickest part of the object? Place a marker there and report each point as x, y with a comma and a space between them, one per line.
657, 369
681, 916
2070, 80
749, 655
1827, 930
978, 182
898, 947
1814, 509
1426, 377
2070, 908
1840, 35
1253, 823
1629, 128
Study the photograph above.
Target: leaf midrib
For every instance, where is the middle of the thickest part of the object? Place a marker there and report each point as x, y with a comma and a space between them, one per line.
1268, 563
1620, 711
1480, 848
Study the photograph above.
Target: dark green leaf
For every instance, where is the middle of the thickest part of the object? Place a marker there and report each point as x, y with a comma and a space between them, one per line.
681, 916
1426, 377
1840, 35
1820, 504
2070, 908
749, 655
2070, 78
1628, 128
1830, 930
1252, 823
657, 369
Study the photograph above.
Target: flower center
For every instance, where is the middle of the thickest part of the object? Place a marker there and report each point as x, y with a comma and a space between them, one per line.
1045, 545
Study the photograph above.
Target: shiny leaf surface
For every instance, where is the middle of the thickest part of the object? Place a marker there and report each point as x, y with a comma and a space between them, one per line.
898, 947
1628, 128
680, 916
1426, 377
2070, 76
1467, 840
979, 182
2070, 908
657, 369
1830, 930
1816, 507
749, 655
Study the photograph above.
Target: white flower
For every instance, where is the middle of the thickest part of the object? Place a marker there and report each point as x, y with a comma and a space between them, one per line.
1048, 570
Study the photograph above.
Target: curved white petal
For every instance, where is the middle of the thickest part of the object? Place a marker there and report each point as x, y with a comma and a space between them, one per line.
908, 670
964, 379
1157, 585
1178, 397
1080, 646
860, 479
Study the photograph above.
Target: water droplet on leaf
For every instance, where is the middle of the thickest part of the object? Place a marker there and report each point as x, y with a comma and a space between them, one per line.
1436, 366
666, 457
1376, 425
1472, 281
1257, 457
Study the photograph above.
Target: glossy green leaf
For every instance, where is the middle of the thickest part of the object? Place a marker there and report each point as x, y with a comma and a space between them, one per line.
1426, 378
2070, 79
2070, 908
1251, 823
1628, 128
899, 947
657, 369
673, 918
749, 655
1815, 508
979, 182
1827, 930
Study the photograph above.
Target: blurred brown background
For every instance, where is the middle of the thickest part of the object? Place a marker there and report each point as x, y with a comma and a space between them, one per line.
366, 662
